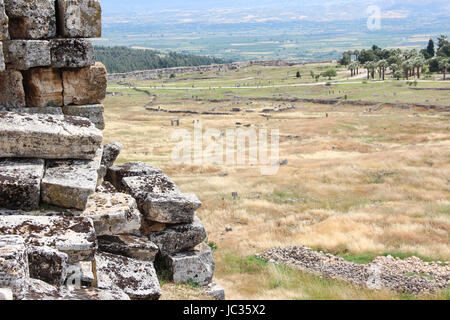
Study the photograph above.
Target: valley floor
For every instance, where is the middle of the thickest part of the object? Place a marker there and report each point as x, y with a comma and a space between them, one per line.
356, 182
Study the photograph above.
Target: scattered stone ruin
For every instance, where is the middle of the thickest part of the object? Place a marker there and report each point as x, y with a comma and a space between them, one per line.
167, 72
72, 224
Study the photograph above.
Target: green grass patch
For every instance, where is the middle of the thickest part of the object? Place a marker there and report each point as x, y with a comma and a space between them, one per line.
250, 264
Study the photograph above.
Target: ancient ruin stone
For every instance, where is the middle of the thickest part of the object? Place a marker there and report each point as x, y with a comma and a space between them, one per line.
92, 112
196, 265
136, 278
159, 199
2, 59
6, 294
47, 136
70, 183
26, 54
215, 291
115, 174
113, 213
138, 248
40, 290
72, 53
11, 89
179, 237
43, 87
106, 187
31, 19
74, 236
47, 264
110, 153
85, 85
4, 34
13, 264
87, 274
79, 18
20, 181
34, 110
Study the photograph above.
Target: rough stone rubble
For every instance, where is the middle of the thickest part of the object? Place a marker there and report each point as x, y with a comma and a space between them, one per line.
411, 275
72, 225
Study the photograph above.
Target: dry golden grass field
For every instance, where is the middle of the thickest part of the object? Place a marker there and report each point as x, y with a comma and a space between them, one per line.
357, 184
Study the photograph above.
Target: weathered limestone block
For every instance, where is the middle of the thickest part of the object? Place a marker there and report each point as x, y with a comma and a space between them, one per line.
6, 294
13, 264
160, 206
40, 290
26, 54
2, 58
106, 187
88, 277
85, 85
72, 53
138, 248
196, 265
136, 278
115, 174
215, 291
11, 89
48, 136
113, 213
180, 237
35, 110
70, 183
110, 153
20, 181
79, 18
92, 112
4, 34
31, 19
47, 264
74, 236
43, 87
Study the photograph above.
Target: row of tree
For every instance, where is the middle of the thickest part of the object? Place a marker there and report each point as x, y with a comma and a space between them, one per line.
401, 63
124, 59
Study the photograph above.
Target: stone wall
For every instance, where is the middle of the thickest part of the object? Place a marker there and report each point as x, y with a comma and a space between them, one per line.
72, 225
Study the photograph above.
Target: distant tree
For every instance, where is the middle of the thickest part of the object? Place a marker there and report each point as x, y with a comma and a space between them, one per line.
331, 72
298, 75
418, 63
444, 51
366, 56
444, 65
442, 41
352, 68
382, 66
407, 66
314, 76
430, 49
346, 58
395, 68
398, 74
124, 59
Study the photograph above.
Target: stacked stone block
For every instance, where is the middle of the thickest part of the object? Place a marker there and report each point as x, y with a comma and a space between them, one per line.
61, 225
47, 57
